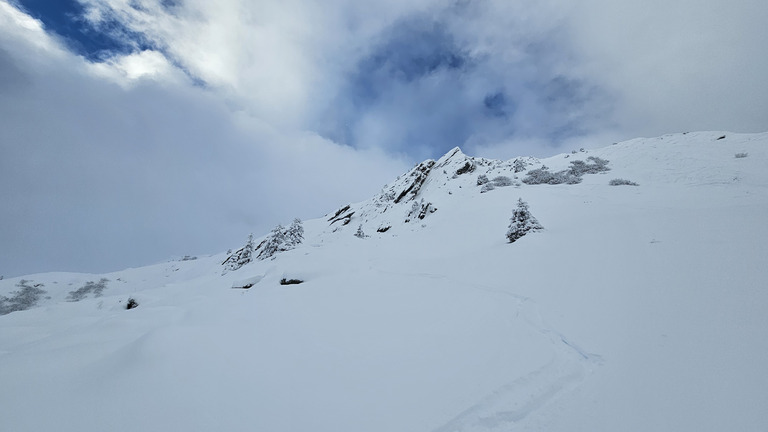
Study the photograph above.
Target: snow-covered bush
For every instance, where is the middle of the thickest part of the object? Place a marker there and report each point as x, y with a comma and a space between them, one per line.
570, 176
502, 181
90, 287
489, 185
544, 176
597, 165
26, 297
522, 222
622, 182
518, 166
740, 155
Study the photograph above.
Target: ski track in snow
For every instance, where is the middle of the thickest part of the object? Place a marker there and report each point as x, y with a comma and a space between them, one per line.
509, 406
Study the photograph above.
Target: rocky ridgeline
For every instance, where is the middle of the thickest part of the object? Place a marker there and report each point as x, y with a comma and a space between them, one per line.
414, 196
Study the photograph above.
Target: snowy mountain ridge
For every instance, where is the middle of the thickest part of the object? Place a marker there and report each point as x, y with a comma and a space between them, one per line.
636, 308
404, 198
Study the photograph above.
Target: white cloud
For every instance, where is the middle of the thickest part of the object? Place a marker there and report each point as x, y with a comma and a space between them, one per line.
97, 176
674, 66
134, 151
653, 67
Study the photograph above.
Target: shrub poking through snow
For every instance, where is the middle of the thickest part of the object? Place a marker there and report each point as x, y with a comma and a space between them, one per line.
285, 281
90, 287
482, 179
622, 182
132, 304
25, 298
740, 155
522, 222
420, 210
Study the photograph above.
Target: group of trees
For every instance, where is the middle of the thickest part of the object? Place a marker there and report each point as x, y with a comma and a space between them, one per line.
280, 239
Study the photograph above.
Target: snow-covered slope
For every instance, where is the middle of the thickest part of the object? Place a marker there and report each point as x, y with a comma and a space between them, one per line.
637, 308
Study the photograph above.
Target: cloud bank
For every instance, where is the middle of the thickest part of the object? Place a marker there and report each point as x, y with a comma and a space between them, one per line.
153, 128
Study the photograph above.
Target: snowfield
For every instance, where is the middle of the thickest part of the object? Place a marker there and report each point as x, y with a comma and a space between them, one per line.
637, 308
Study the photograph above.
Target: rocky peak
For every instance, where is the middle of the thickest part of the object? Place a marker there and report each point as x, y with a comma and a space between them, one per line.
417, 194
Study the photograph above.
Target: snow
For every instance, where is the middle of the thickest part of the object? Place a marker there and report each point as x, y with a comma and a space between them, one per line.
636, 308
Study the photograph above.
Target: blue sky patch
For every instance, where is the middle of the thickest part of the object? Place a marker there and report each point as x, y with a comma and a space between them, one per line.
65, 19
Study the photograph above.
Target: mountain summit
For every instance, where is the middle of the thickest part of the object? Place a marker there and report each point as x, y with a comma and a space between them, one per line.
639, 306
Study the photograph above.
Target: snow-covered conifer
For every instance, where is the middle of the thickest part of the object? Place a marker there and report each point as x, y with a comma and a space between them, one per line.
294, 235
359, 233
241, 257
522, 222
273, 244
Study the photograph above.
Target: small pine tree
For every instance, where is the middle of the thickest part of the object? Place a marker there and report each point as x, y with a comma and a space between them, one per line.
522, 222
294, 235
241, 257
246, 252
274, 243
360, 233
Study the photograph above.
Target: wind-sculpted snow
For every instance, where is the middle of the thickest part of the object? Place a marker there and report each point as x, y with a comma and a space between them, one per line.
637, 309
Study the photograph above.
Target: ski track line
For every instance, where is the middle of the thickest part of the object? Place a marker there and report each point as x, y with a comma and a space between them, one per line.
507, 407
511, 404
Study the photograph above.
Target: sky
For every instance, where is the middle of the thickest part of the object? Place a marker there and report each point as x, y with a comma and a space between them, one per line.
137, 131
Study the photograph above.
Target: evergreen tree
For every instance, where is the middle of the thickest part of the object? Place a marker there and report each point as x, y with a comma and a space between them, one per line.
246, 252
522, 222
294, 235
241, 257
360, 233
274, 243
280, 239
